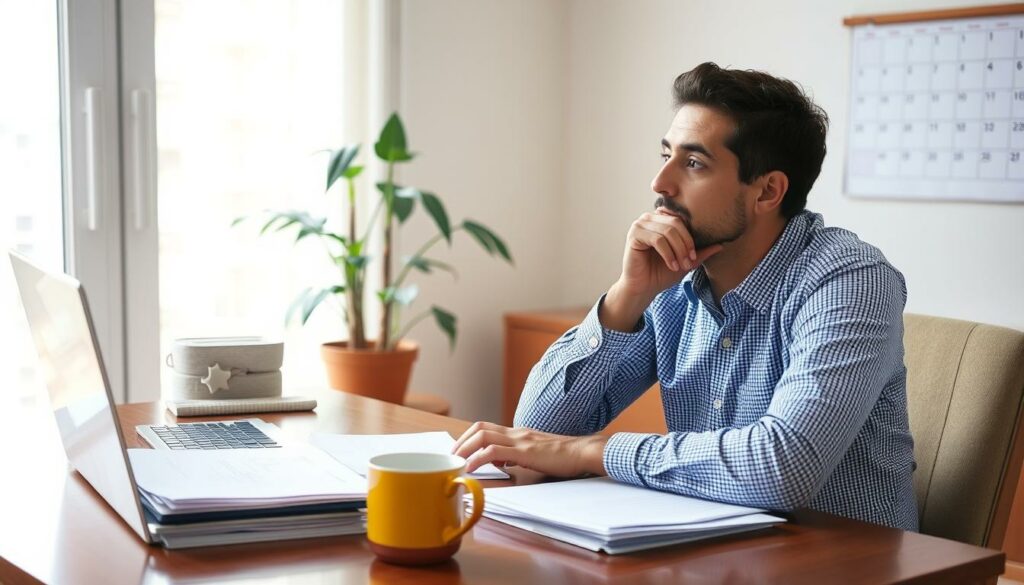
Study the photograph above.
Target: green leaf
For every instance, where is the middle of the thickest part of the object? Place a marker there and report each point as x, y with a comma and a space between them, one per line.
299, 301
289, 222
273, 219
406, 295
353, 171
436, 210
403, 208
312, 302
279, 220
238, 220
426, 265
403, 296
356, 261
340, 162
491, 242
403, 202
419, 263
307, 301
285, 219
406, 192
446, 321
481, 236
391, 145
305, 232
383, 188
430, 201
392, 136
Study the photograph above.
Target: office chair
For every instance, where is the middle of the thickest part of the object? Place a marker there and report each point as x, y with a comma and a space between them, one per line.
965, 391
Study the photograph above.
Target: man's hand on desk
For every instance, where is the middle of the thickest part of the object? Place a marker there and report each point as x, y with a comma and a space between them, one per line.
555, 455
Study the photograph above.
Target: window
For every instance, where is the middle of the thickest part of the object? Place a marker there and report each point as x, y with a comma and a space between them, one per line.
31, 216
243, 115
203, 111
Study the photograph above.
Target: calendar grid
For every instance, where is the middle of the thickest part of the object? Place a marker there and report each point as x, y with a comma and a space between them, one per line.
937, 110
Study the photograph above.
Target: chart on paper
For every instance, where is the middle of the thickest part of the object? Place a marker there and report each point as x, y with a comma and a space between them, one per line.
937, 110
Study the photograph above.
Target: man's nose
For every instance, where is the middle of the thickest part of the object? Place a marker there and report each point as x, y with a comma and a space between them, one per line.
663, 183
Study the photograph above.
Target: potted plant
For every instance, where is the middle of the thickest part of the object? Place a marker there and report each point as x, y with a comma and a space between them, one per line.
378, 368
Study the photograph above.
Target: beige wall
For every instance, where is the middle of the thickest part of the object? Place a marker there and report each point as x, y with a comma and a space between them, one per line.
482, 97
544, 118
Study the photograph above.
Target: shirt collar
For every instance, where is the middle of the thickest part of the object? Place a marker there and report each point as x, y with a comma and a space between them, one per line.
758, 288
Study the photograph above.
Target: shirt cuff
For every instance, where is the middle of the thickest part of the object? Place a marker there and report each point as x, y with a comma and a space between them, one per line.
622, 454
594, 339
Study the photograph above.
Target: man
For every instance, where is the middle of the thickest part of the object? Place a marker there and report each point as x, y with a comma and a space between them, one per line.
777, 342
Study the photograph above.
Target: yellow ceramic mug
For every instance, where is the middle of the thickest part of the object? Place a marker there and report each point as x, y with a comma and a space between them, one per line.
414, 506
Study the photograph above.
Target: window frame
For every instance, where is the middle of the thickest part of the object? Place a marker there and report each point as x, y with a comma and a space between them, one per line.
90, 139
140, 228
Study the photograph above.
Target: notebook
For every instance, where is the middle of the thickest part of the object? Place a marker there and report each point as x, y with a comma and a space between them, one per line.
239, 405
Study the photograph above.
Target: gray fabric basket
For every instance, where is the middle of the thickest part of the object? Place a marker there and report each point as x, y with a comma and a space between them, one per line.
225, 367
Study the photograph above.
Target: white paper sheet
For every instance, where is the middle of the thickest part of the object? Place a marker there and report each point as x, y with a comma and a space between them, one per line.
355, 451
605, 507
199, 478
631, 544
603, 514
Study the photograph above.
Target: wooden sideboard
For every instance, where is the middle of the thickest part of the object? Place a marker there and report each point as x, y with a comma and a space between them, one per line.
528, 335
1013, 545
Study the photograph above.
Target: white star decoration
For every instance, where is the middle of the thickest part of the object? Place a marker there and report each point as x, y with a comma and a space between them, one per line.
217, 379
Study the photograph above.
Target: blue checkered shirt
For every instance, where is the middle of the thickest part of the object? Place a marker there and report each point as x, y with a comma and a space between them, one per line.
791, 393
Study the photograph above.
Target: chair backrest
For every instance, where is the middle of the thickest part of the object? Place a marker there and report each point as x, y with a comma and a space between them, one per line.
965, 392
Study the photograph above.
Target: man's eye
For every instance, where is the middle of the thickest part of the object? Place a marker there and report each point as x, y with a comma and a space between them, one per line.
665, 157
694, 164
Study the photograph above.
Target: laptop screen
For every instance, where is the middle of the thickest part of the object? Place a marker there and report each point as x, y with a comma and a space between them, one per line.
69, 361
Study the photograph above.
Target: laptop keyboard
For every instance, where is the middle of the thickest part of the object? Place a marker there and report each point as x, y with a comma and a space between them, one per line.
214, 435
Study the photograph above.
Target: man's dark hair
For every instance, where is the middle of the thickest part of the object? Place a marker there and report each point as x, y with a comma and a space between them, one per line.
778, 128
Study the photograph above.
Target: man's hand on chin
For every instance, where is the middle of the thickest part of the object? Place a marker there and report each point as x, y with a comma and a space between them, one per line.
550, 454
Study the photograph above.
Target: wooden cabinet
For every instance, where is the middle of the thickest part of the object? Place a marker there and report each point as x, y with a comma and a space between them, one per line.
1013, 545
529, 334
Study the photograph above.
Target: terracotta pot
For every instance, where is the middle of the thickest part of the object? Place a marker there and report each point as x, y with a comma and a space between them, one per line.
383, 375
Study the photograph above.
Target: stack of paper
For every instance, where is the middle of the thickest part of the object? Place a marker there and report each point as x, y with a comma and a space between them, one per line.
355, 451
602, 514
259, 529
201, 497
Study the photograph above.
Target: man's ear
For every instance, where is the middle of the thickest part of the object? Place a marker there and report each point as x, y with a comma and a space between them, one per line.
774, 185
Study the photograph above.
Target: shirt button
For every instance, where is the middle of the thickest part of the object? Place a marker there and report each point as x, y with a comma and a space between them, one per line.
726, 343
593, 342
717, 404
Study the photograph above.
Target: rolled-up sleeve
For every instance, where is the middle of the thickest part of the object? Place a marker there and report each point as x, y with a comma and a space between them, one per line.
587, 377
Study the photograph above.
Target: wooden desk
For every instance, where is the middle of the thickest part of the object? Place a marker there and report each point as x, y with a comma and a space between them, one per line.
428, 403
54, 528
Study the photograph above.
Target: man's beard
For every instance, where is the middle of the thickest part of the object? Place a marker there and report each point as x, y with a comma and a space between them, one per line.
728, 228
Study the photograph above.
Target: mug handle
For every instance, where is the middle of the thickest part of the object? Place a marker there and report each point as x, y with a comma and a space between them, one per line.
478, 507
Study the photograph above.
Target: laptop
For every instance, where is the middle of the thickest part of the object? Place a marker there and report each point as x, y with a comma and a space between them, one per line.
79, 391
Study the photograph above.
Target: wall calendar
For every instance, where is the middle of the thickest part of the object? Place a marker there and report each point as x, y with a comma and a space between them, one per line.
937, 110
